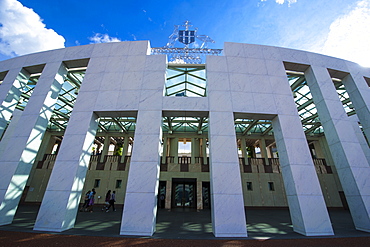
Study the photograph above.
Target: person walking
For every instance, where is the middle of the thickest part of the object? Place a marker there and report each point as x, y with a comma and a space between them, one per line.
86, 203
107, 199
91, 200
112, 201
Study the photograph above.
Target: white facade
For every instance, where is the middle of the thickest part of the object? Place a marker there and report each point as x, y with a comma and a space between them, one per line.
123, 79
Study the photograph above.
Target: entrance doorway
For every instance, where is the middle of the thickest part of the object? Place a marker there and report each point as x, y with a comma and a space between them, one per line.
162, 194
184, 193
206, 193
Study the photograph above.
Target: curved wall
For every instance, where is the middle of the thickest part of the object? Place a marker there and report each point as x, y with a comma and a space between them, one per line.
249, 81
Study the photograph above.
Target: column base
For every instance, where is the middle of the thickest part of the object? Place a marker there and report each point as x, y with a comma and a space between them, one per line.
311, 234
147, 234
48, 229
5, 223
231, 235
362, 229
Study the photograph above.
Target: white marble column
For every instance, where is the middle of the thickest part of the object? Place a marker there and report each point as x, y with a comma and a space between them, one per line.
350, 162
11, 90
20, 153
228, 216
140, 206
360, 137
140, 210
62, 196
306, 203
359, 93
10, 131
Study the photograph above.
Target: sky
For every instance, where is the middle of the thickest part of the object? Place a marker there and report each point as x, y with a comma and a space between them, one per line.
339, 28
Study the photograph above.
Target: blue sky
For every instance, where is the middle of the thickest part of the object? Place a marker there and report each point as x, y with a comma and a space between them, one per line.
334, 27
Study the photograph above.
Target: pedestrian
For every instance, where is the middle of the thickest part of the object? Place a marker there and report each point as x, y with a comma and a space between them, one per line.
161, 201
86, 202
106, 201
112, 201
91, 200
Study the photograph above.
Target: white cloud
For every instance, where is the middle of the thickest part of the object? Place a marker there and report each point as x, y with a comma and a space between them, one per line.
103, 38
283, 1
349, 36
22, 31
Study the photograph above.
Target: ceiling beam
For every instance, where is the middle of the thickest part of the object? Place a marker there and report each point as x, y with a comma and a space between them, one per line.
250, 127
120, 125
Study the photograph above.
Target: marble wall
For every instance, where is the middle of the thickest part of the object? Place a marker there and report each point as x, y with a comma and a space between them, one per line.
247, 81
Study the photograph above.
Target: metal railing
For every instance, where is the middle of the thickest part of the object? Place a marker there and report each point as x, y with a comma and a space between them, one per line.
253, 165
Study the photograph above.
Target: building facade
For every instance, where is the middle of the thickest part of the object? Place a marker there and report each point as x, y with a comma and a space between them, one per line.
257, 126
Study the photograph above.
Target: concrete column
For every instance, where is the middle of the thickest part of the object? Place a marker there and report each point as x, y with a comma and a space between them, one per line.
204, 150
351, 163
199, 195
359, 93
20, 153
196, 147
125, 147
174, 149
253, 151
318, 150
139, 213
45, 146
168, 146
244, 152
11, 90
306, 203
193, 150
105, 148
228, 217
165, 146
59, 206
168, 194
243, 147
269, 152
50, 144
263, 150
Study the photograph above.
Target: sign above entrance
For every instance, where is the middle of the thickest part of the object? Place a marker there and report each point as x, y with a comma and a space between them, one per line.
195, 48
187, 35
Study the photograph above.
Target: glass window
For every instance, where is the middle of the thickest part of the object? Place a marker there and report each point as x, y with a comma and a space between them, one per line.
271, 186
97, 183
118, 184
249, 186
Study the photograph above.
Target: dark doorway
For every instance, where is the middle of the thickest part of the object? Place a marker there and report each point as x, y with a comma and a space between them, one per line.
162, 194
184, 193
206, 193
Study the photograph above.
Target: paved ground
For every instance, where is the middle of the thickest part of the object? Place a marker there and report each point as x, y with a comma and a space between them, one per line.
266, 227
